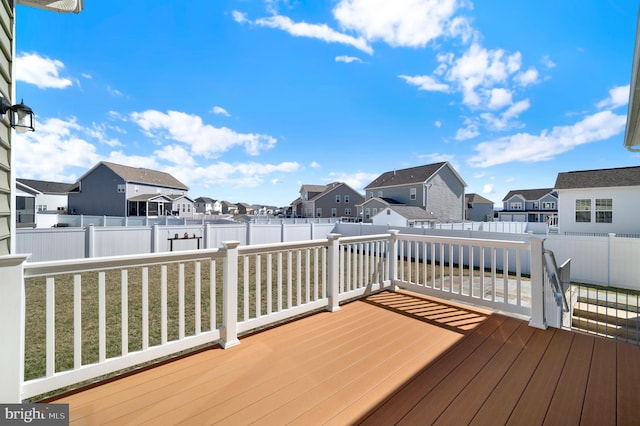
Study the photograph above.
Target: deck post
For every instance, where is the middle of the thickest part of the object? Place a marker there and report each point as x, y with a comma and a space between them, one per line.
392, 257
12, 314
229, 329
333, 265
537, 284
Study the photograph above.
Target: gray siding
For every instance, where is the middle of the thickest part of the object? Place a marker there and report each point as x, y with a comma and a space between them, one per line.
479, 212
99, 195
7, 175
401, 194
445, 196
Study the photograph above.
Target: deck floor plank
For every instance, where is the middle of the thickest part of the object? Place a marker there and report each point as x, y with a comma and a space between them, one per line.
568, 397
628, 386
391, 357
498, 406
600, 397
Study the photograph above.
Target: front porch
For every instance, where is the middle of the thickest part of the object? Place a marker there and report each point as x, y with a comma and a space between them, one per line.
392, 357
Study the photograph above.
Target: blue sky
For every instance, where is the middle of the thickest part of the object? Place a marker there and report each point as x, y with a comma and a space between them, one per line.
246, 100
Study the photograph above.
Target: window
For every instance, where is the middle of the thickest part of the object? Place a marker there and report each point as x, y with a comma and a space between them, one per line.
374, 211
412, 193
121, 188
380, 194
604, 210
334, 212
535, 205
337, 198
42, 207
583, 210
319, 212
549, 205
516, 205
346, 199
367, 214
347, 212
388, 212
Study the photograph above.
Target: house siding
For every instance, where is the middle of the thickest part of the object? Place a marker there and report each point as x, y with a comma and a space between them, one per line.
99, 194
479, 212
7, 173
445, 196
626, 203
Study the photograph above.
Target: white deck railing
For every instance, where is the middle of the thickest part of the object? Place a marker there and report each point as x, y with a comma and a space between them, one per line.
91, 317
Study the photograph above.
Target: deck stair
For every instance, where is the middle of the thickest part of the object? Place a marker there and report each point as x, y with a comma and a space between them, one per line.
607, 314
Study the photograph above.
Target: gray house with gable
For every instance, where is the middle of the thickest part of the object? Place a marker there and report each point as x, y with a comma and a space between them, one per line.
437, 188
116, 190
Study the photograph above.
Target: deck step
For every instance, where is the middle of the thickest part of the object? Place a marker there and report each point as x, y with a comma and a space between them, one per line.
606, 319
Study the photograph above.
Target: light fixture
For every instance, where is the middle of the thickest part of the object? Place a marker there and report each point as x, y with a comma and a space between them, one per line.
21, 116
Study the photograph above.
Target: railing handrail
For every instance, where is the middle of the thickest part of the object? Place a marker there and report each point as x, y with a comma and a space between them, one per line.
560, 297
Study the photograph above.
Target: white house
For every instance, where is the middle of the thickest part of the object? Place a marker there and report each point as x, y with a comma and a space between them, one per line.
599, 201
404, 216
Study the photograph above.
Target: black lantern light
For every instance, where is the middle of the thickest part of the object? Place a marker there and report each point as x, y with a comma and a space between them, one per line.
21, 116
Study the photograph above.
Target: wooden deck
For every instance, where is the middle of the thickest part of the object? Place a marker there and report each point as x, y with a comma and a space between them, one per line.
388, 359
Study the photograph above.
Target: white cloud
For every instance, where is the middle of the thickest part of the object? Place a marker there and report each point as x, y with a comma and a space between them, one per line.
348, 59
499, 98
114, 92
506, 119
239, 17
204, 139
356, 180
524, 147
40, 71
315, 165
237, 175
437, 123
49, 153
479, 67
425, 82
99, 132
317, 31
218, 110
175, 154
527, 77
412, 23
487, 188
469, 132
547, 62
618, 96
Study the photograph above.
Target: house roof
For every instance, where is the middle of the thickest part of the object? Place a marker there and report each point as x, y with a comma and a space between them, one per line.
412, 213
475, 198
411, 175
142, 175
46, 187
601, 178
205, 200
313, 188
383, 200
529, 194
150, 197
175, 197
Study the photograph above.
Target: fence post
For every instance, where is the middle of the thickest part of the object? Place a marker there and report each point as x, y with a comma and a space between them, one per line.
12, 317
90, 241
155, 238
333, 265
392, 258
205, 237
537, 283
229, 329
610, 260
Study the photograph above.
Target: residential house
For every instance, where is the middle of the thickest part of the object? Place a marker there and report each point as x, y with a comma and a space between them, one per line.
599, 201
182, 206
228, 208
39, 196
437, 188
336, 199
477, 208
244, 208
206, 205
370, 207
404, 217
116, 190
529, 205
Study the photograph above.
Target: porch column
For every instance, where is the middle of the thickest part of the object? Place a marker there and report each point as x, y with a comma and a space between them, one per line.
12, 315
229, 330
333, 274
537, 284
